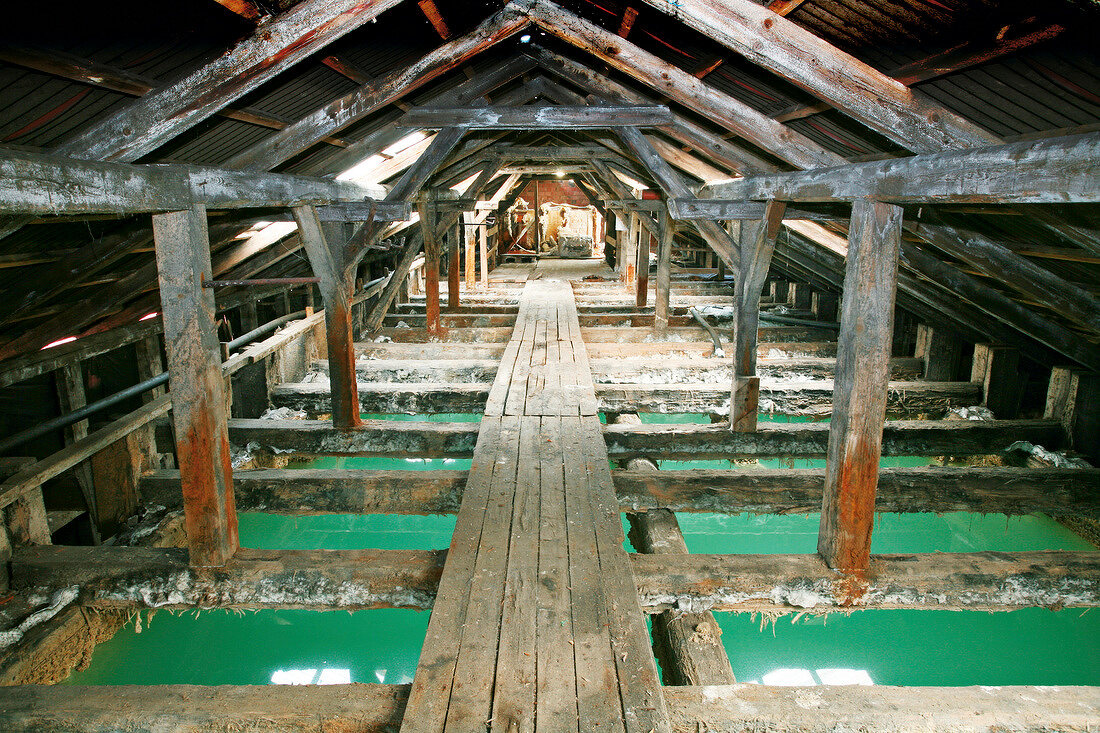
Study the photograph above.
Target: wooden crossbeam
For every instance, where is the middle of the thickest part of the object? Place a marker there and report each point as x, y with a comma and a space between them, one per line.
1051, 171
941, 580
719, 210
538, 118
39, 184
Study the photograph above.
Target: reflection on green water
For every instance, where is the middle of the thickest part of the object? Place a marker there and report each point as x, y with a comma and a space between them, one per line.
1032, 646
265, 647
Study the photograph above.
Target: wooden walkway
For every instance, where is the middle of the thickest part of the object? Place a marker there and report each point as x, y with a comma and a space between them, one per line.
536, 625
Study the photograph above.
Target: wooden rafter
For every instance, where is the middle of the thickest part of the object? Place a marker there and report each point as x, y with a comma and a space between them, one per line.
431, 12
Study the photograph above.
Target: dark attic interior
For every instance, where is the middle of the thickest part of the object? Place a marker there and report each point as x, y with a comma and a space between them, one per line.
628, 366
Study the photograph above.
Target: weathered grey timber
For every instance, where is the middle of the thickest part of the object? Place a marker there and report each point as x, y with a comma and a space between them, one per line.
727, 708
373, 437
912, 437
861, 385
147, 123
377, 93
1012, 491
36, 183
327, 491
949, 581
680, 86
786, 397
1049, 171
136, 577
538, 118
688, 645
198, 388
887, 106
694, 208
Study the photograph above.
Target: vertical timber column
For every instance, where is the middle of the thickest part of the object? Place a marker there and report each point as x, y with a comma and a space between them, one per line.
1073, 397
454, 241
642, 285
664, 274
997, 369
756, 258
861, 384
470, 263
325, 248
198, 389
941, 352
150, 363
483, 252
426, 207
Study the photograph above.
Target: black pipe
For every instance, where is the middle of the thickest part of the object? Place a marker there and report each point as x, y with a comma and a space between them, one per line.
718, 350
88, 410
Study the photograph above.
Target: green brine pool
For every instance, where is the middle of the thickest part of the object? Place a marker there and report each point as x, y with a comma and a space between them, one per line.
1031, 646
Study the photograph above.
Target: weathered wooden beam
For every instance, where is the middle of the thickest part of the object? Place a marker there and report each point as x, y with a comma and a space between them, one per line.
688, 645
860, 389
149, 122
1049, 171
664, 273
136, 577
538, 118
692, 708
714, 209
325, 246
947, 581
1012, 491
373, 437
886, 106
902, 437
755, 261
431, 12
38, 183
355, 105
548, 152
681, 86
198, 388
430, 235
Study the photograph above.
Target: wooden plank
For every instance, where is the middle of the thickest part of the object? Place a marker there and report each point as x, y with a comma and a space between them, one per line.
598, 701
373, 437
514, 694
556, 672
198, 389
427, 706
471, 689
643, 705
538, 118
664, 274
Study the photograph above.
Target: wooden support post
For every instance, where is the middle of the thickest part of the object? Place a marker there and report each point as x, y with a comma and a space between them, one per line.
426, 206
755, 260
800, 296
454, 264
941, 352
150, 363
664, 273
721, 268
824, 305
325, 247
198, 399
70, 393
470, 262
779, 291
249, 318
483, 253
642, 284
861, 385
630, 253
997, 369
1073, 397
688, 645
